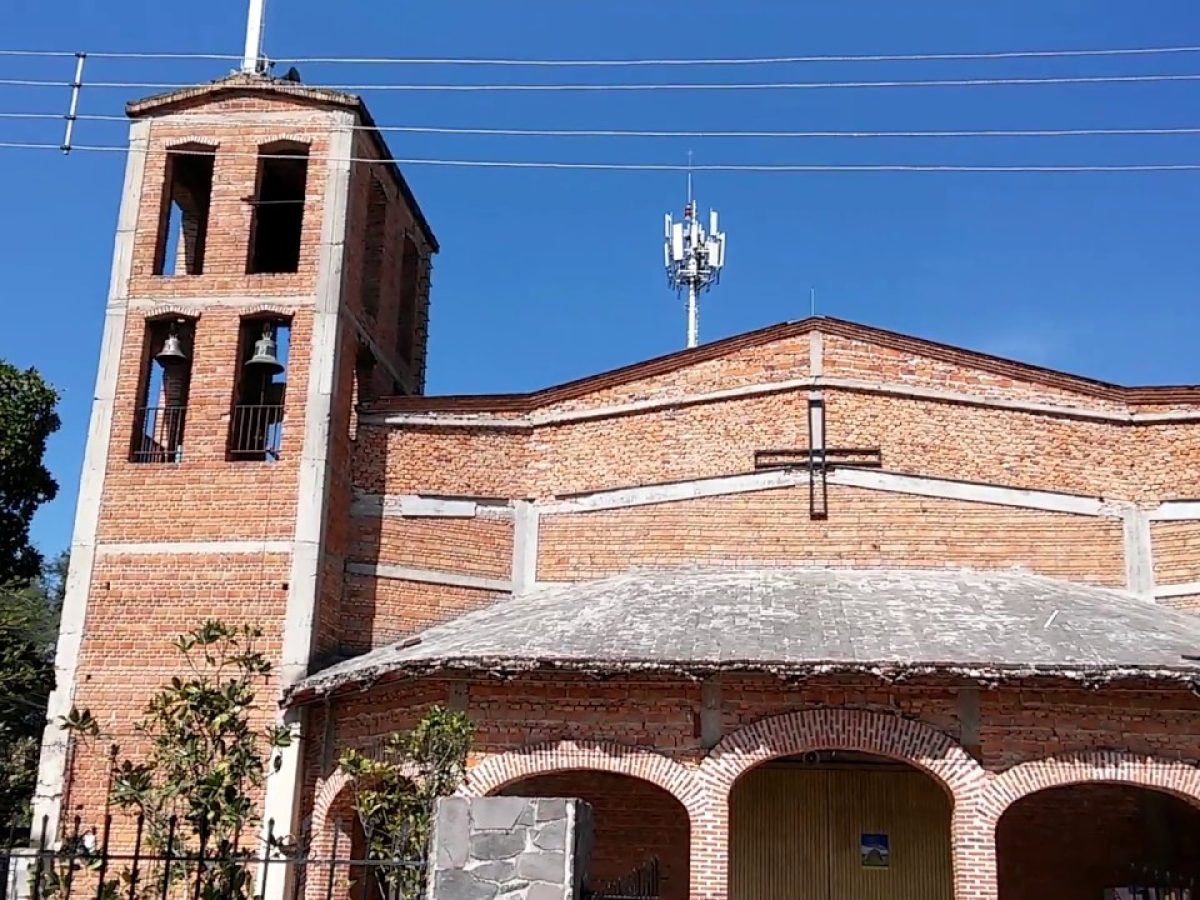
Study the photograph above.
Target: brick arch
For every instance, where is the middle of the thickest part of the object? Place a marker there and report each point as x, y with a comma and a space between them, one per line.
203, 143
1168, 776
171, 311
327, 797
267, 309
904, 740
507, 768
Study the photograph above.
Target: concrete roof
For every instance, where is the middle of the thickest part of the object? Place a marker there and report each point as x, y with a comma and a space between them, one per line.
798, 621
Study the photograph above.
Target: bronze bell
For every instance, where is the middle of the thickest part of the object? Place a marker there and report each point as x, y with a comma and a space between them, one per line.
265, 359
171, 353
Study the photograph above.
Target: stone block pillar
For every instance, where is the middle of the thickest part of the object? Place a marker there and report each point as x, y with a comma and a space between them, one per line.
509, 848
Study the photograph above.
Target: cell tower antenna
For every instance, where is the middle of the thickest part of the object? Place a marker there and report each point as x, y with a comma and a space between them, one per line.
253, 61
694, 257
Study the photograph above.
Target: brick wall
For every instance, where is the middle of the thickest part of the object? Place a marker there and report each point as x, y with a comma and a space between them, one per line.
1019, 723
1176, 551
375, 611
864, 528
1072, 843
478, 546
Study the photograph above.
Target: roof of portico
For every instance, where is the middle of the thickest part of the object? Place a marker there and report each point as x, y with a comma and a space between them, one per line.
796, 622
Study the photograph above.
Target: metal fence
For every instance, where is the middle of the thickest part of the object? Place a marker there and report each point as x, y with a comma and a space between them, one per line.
172, 863
159, 435
255, 431
642, 883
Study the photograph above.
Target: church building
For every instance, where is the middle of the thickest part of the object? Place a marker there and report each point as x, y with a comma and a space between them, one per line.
815, 611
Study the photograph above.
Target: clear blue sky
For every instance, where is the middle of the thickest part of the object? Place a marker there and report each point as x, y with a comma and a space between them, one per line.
546, 276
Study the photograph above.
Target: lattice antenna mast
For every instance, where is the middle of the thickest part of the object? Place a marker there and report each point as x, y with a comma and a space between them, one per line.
253, 61
694, 258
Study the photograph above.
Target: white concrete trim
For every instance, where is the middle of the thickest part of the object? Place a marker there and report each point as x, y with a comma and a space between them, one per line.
52, 766
417, 506
525, 546
281, 803
315, 118
1183, 589
1139, 557
895, 389
937, 395
431, 576
816, 353
193, 547
621, 498
868, 479
873, 479
1176, 511
194, 306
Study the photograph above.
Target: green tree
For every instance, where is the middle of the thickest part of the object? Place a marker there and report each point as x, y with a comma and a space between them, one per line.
28, 628
27, 419
394, 795
196, 784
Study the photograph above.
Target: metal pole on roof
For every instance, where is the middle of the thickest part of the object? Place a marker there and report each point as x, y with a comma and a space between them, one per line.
252, 60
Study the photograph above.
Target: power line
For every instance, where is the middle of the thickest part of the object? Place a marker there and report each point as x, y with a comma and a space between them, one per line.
653, 86
590, 63
643, 133
739, 61
646, 167
150, 55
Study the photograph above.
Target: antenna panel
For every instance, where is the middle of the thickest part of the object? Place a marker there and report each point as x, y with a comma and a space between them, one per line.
667, 226
716, 251
712, 221
677, 242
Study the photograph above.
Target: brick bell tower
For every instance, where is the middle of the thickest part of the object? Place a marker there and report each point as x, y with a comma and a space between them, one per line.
271, 269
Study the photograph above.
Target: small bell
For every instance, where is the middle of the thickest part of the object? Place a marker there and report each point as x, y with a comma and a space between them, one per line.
172, 352
264, 359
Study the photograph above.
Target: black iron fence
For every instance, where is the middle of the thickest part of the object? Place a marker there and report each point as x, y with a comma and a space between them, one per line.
158, 437
641, 883
137, 860
255, 431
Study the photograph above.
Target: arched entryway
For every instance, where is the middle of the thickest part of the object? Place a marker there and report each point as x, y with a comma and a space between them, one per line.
1076, 841
634, 822
839, 825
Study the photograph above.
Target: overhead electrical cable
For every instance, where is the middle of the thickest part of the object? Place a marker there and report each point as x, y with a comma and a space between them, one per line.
643, 167
216, 121
738, 61
654, 86
591, 63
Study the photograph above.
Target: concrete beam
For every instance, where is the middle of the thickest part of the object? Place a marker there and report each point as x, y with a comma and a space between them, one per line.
432, 576
416, 506
1139, 558
458, 696
969, 721
525, 547
529, 421
1184, 589
711, 728
970, 492
193, 547
196, 305
816, 354
1176, 511
620, 498
281, 804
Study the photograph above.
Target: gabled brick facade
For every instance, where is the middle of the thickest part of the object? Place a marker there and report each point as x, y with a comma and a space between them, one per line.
387, 512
